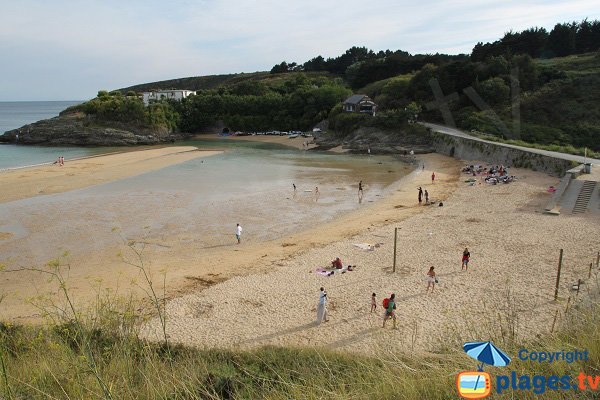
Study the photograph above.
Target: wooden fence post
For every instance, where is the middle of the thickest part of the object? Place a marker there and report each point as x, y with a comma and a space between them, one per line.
590, 272
395, 242
558, 275
554, 322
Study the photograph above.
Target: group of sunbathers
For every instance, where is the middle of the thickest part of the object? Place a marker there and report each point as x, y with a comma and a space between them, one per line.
495, 174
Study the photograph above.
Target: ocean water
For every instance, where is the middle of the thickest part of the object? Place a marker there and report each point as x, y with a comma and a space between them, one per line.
195, 205
15, 114
18, 113
186, 207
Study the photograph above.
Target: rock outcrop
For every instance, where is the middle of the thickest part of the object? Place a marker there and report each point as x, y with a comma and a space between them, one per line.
379, 141
76, 129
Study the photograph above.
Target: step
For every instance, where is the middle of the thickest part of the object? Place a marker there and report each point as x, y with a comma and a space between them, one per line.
584, 196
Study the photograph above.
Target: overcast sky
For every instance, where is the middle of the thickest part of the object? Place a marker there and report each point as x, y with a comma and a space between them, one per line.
68, 50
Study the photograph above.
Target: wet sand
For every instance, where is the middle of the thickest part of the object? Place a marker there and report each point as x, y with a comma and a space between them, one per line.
28, 182
296, 143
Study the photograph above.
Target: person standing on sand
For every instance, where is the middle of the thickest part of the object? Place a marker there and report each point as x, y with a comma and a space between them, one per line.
432, 177
294, 185
322, 308
465, 259
373, 302
360, 192
431, 279
238, 233
426, 197
317, 193
390, 310
420, 195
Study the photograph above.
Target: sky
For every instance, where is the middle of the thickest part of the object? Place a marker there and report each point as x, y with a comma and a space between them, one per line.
68, 50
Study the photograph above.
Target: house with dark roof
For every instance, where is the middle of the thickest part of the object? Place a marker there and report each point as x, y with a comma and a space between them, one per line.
360, 103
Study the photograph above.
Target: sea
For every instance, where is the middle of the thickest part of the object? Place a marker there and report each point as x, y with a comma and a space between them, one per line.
190, 206
15, 114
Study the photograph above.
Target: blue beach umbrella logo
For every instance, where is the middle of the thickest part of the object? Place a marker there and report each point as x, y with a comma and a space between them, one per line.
477, 385
486, 353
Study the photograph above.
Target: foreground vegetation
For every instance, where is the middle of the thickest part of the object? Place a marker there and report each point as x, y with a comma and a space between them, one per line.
99, 354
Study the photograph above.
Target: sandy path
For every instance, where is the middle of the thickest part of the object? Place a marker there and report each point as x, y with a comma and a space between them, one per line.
508, 288
29, 182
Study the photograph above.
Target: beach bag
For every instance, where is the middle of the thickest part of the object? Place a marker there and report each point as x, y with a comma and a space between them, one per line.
385, 303
436, 280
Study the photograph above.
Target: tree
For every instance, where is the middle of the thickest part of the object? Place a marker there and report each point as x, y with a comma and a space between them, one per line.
494, 91
561, 41
587, 37
280, 68
413, 110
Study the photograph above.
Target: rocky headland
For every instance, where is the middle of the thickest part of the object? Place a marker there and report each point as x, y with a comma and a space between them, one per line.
79, 129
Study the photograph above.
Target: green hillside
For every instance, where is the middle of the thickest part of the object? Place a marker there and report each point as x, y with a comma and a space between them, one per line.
558, 98
214, 81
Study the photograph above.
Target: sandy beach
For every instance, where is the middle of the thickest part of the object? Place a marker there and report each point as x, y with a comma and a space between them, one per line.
28, 182
273, 289
507, 290
189, 266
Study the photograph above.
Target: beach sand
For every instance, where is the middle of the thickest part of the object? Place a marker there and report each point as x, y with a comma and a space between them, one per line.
269, 290
28, 182
507, 290
282, 140
189, 267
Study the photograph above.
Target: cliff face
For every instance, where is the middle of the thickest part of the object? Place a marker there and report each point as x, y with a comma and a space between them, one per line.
79, 130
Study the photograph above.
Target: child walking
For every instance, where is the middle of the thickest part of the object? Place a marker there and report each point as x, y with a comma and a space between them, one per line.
373, 302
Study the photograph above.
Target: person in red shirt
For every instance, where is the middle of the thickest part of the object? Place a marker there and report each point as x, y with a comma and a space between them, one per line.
432, 177
337, 263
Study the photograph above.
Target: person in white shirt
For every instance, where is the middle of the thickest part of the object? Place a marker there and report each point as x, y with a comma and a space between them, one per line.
238, 233
322, 308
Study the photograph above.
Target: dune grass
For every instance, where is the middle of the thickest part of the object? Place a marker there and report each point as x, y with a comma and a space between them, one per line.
51, 362
98, 353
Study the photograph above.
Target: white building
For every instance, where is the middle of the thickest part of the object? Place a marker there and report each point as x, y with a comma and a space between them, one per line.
175, 94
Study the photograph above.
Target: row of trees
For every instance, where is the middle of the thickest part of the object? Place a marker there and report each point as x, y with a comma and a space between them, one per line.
360, 66
298, 104
563, 40
250, 105
129, 109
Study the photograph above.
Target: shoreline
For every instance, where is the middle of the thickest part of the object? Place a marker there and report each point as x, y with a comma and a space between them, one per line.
190, 268
25, 182
295, 143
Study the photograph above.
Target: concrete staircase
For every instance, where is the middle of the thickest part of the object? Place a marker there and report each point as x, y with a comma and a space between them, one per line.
583, 199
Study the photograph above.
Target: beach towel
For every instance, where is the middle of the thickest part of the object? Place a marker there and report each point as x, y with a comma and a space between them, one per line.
365, 246
324, 272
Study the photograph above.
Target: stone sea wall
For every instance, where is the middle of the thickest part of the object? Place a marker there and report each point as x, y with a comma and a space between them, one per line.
469, 149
